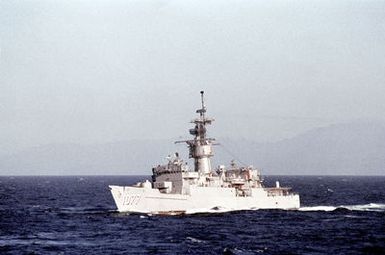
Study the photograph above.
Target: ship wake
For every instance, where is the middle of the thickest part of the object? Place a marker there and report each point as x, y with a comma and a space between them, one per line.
372, 207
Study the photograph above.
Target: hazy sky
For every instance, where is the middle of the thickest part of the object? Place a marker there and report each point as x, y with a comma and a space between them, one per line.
99, 71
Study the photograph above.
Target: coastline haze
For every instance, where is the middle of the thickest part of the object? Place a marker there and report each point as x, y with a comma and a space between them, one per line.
98, 72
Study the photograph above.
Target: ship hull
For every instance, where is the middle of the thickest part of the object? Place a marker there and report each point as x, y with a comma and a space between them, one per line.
199, 199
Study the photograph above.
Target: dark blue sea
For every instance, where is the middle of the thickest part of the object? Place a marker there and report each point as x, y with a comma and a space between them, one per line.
76, 215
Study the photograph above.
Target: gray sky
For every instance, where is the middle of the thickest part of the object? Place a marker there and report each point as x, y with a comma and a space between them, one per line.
99, 71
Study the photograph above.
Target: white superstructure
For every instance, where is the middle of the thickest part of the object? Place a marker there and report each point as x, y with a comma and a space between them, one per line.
175, 188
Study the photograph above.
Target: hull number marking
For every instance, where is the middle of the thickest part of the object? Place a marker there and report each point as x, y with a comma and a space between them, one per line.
131, 199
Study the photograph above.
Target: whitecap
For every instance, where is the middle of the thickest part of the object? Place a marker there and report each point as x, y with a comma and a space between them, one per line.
194, 240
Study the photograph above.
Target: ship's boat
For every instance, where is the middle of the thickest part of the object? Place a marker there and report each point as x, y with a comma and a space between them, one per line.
176, 189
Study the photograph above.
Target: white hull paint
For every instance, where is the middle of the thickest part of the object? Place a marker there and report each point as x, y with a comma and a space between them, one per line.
201, 199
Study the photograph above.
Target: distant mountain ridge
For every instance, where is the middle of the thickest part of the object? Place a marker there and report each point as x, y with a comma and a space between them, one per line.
354, 148
345, 149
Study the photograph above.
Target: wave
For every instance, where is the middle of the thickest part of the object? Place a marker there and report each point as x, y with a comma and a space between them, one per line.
372, 207
194, 240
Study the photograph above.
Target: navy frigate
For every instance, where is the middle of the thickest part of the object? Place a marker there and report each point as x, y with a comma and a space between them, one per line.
175, 188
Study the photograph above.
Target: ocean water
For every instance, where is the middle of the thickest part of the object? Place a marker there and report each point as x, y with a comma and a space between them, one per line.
76, 215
